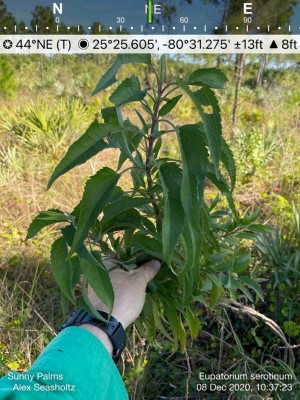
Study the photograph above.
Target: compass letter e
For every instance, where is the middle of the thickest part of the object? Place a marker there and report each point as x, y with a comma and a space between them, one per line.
248, 8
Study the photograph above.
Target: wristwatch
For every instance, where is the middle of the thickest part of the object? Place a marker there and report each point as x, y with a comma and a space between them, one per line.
112, 328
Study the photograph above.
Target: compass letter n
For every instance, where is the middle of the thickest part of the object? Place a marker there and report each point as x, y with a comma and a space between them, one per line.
57, 8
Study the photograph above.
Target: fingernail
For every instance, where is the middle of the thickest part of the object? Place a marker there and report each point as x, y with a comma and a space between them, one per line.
156, 265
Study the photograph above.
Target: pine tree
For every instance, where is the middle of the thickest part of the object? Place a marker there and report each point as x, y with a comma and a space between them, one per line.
6, 17
43, 18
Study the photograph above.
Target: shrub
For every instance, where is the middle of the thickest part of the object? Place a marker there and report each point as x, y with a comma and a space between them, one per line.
8, 85
46, 126
165, 215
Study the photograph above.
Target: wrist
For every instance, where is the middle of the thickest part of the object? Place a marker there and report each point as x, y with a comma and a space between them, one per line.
117, 315
109, 331
100, 335
121, 319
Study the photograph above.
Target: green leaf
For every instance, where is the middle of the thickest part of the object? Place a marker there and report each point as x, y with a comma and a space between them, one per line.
195, 162
87, 146
141, 118
82, 251
148, 308
97, 193
138, 178
128, 143
85, 303
211, 77
222, 185
188, 247
157, 147
148, 315
89, 258
127, 219
62, 268
244, 290
129, 90
110, 76
253, 285
171, 316
170, 104
64, 302
158, 319
188, 281
259, 341
242, 263
258, 228
173, 221
110, 116
100, 282
214, 295
214, 202
151, 246
76, 270
127, 140
44, 219
228, 162
193, 322
194, 156
207, 285
252, 217
216, 280
203, 98
121, 205
246, 235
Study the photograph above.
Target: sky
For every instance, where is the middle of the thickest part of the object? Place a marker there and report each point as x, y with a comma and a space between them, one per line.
85, 12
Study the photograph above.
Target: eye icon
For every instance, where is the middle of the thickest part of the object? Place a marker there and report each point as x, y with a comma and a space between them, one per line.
7, 44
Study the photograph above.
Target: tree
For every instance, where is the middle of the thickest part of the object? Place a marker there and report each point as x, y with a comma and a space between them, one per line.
170, 10
43, 18
233, 15
239, 72
6, 18
261, 68
95, 28
281, 12
73, 29
21, 28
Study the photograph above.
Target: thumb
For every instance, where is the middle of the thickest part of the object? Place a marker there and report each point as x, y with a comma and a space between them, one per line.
149, 270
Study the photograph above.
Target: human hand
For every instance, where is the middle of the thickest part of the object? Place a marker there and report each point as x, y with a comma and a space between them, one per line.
130, 291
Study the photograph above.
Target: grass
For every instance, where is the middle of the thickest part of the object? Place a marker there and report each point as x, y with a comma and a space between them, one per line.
51, 108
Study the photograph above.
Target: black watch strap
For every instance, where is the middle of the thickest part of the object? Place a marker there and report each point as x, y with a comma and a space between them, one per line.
113, 328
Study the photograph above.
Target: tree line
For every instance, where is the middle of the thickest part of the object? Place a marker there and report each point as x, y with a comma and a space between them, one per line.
44, 19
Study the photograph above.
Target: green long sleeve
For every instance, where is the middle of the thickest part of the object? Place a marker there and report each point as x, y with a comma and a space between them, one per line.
75, 366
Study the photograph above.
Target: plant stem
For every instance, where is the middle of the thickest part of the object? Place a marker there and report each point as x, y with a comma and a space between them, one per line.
149, 152
171, 91
169, 85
